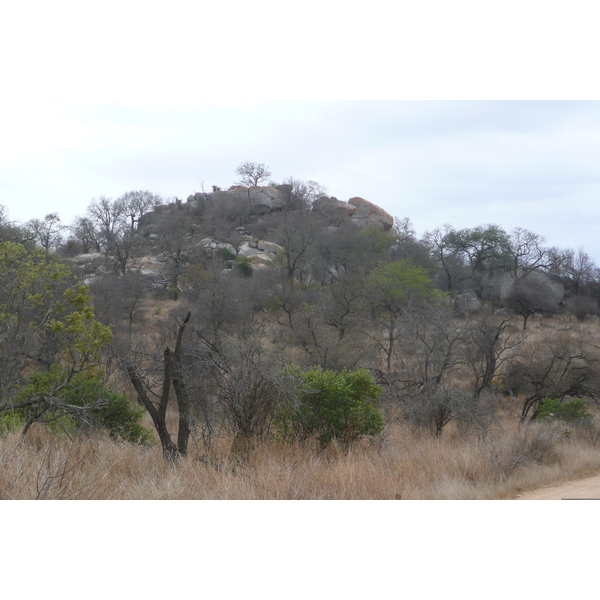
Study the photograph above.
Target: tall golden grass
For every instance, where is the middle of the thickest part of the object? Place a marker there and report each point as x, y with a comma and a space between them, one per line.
402, 464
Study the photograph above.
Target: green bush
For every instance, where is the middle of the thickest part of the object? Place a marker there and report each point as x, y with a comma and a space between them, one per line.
78, 402
226, 254
10, 421
330, 405
173, 294
244, 266
572, 411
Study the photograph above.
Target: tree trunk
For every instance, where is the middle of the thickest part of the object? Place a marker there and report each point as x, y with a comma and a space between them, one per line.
183, 404
172, 373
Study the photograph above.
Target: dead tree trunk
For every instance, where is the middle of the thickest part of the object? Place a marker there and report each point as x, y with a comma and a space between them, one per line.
171, 374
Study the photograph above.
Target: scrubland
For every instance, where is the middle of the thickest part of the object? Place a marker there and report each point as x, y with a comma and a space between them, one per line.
399, 464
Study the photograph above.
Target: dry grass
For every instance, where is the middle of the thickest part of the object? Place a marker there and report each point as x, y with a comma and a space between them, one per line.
403, 464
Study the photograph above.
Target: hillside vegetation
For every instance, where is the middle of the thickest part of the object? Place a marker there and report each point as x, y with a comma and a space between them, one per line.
271, 341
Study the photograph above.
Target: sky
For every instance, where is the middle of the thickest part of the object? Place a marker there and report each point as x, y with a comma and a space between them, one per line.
97, 101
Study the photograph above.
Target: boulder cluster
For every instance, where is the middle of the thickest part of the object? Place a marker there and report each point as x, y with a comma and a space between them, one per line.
259, 253
362, 212
261, 200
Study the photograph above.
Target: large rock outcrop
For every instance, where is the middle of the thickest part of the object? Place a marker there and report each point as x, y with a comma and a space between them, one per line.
369, 214
258, 200
333, 207
533, 290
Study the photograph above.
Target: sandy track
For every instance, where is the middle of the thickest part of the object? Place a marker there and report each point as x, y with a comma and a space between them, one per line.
583, 489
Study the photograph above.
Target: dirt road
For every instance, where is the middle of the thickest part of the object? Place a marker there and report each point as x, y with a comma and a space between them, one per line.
583, 489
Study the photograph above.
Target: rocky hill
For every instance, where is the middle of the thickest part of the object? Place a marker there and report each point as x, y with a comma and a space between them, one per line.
233, 223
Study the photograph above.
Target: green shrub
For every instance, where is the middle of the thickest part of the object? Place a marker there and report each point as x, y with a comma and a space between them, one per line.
572, 411
226, 254
10, 421
329, 405
244, 266
80, 402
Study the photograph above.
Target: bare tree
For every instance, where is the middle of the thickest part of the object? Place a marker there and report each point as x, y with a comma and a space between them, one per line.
156, 402
322, 328
86, 235
489, 344
175, 245
117, 238
526, 252
434, 406
117, 300
578, 267
532, 292
303, 193
252, 174
135, 204
247, 383
443, 250
47, 231
431, 340
554, 367
297, 234
407, 246
107, 216
223, 300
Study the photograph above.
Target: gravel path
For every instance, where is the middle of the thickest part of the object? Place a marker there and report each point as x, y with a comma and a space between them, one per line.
583, 489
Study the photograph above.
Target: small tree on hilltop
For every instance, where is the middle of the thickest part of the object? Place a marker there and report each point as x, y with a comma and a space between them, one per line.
252, 174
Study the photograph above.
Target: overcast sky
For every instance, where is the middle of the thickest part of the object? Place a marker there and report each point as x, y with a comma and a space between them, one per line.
128, 95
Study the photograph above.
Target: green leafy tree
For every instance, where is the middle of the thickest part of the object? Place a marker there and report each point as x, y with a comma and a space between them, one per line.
77, 340
395, 291
31, 288
330, 406
48, 333
485, 247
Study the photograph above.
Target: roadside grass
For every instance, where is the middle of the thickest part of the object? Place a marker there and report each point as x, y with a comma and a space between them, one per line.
403, 464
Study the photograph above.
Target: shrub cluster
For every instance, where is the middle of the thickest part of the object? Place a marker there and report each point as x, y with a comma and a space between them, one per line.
572, 411
329, 405
76, 402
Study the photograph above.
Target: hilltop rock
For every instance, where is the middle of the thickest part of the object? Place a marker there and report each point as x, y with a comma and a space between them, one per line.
259, 200
332, 206
368, 214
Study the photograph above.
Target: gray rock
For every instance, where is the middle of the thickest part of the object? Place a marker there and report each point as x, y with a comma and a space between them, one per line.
246, 249
467, 302
262, 258
211, 247
83, 259
259, 200
269, 247
333, 206
536, 287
